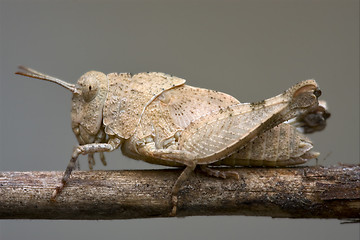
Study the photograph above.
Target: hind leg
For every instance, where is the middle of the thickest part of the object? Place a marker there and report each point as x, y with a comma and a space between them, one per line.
218, 173
183, 157
179, 182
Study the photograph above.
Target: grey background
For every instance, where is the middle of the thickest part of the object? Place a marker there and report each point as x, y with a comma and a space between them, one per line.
249, 49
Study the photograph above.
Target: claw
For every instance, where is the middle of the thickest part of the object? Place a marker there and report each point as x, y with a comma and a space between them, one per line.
57, 191
232, 174
174, 201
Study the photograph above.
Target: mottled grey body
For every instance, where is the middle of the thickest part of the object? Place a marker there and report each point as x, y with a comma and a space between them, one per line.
155, 117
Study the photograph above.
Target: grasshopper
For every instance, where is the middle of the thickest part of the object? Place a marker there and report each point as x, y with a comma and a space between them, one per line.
156, 118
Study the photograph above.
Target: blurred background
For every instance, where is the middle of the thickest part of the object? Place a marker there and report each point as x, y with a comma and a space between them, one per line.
249, 49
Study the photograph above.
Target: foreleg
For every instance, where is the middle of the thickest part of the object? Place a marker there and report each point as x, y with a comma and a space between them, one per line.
113, 144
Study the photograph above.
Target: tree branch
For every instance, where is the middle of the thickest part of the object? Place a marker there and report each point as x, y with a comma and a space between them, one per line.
302, 192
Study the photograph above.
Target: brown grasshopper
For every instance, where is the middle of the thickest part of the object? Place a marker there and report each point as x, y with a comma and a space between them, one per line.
155, 117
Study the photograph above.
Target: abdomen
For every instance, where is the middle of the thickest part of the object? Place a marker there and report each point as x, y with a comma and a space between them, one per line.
280, 146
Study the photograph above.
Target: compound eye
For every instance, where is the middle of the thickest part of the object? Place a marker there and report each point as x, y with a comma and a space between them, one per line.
90, 89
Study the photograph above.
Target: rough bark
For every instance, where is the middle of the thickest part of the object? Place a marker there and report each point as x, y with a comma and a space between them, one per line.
302, 192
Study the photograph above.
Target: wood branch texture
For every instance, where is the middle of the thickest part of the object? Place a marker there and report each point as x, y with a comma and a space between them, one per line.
301, 192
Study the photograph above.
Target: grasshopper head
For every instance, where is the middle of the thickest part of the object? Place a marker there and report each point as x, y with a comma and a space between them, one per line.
88, 99
87, 106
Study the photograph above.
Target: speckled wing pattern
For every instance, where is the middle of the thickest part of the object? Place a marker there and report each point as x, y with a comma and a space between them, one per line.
176, 108
128, 98
220, 134
187, 104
